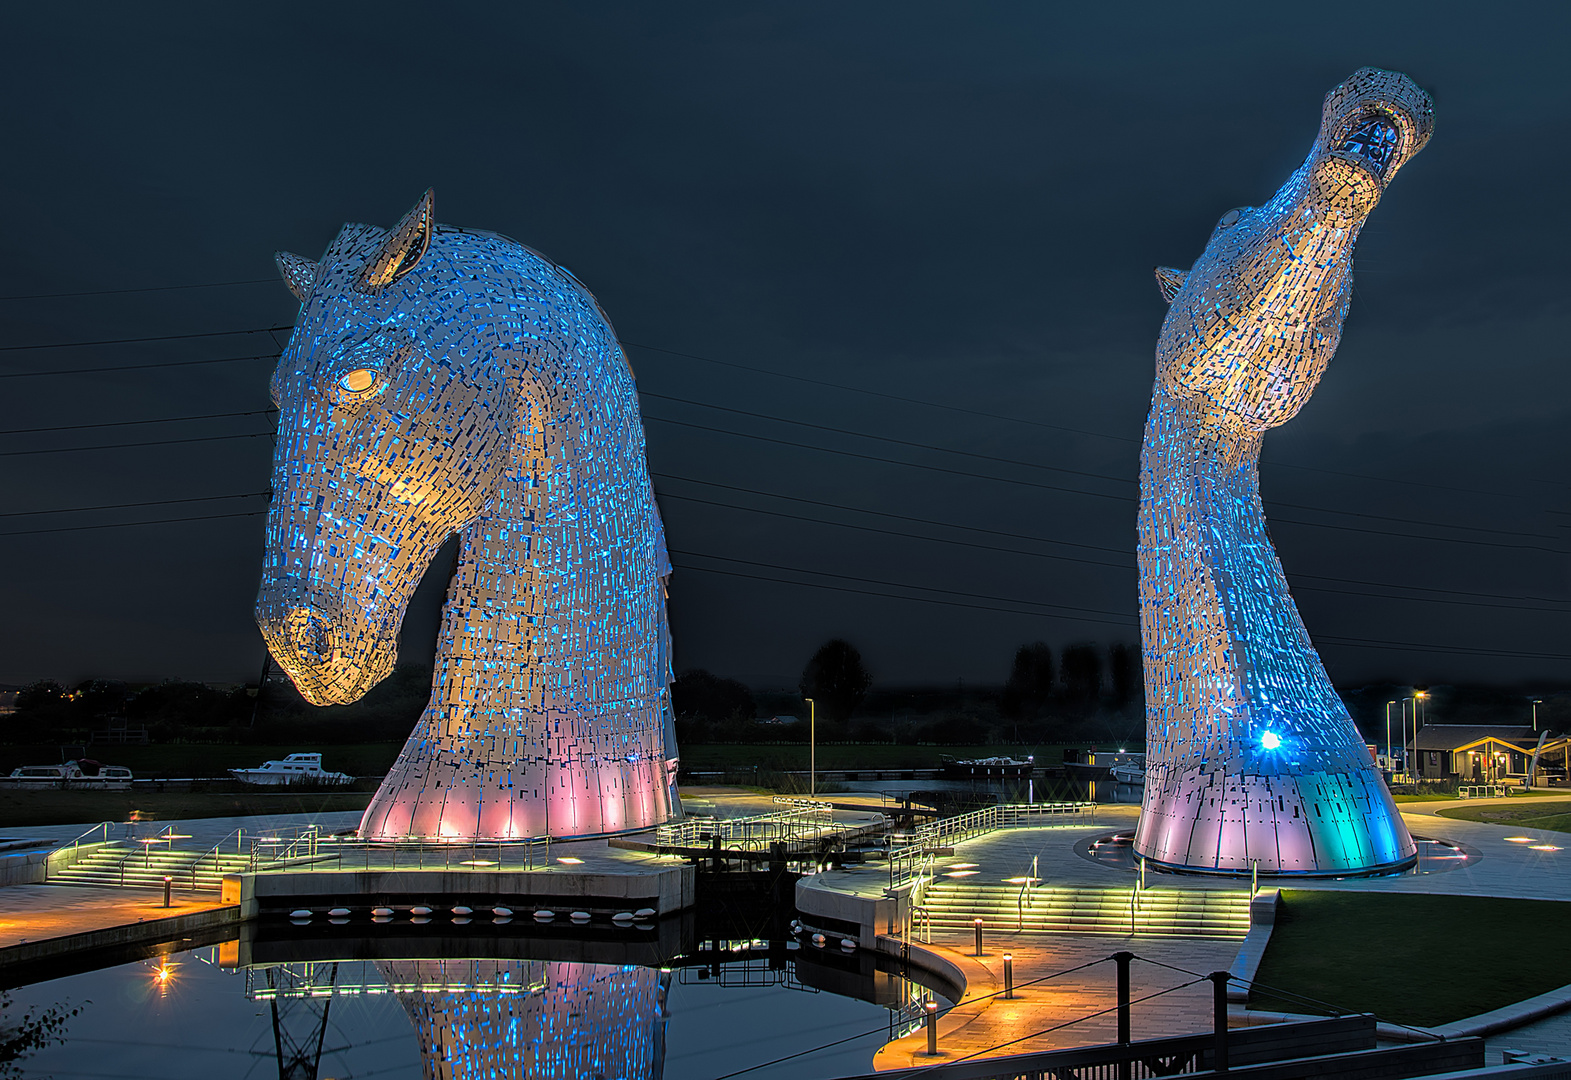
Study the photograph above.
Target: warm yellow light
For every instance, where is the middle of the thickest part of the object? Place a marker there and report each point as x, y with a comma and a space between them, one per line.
1545, 847
1519, 839
358, 381
570, 860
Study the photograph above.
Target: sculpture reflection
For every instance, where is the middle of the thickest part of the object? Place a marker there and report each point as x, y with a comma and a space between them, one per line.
535, 1019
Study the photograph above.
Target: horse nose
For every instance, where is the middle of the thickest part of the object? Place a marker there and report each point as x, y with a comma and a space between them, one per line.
299, 627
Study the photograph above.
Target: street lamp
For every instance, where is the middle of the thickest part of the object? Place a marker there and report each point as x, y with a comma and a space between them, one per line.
1536, 703
812, 747
1388, 733
1418, 695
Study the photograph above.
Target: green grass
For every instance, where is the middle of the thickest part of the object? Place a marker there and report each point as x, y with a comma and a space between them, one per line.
1365, 952
705, 757
25, 808
1421, 798
209, 759
1555, 817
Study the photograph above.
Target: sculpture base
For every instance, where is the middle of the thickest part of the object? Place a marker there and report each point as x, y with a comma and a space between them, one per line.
1310, 824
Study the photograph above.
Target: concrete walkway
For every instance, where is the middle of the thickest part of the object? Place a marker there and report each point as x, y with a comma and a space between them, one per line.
1069, 1010
33, 913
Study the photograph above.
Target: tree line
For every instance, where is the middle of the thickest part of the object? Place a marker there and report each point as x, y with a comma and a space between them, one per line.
1089, 690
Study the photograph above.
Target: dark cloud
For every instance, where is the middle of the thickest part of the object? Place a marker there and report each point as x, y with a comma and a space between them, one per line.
953, 204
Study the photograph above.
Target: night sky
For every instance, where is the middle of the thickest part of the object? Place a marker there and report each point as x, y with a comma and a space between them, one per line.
883, 272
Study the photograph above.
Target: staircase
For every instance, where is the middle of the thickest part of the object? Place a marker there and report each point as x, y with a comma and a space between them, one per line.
1211, 913
117, 864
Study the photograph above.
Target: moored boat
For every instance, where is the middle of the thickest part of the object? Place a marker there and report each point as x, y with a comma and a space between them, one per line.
294, 769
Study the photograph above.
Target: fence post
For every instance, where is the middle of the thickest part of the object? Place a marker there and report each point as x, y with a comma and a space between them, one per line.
1219, 980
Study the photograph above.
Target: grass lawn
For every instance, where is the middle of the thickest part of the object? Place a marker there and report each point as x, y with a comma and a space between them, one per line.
22, 808
1421, 798
705, 757
1529, 814
1355, 951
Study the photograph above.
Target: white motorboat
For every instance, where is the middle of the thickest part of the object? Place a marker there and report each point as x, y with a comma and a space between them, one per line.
1129, 774
294, 769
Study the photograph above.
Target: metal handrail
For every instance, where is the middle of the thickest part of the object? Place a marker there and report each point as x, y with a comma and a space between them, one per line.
104, 825
213, 851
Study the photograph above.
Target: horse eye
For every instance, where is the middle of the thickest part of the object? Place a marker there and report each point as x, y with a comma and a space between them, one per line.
358, 381
1230, 217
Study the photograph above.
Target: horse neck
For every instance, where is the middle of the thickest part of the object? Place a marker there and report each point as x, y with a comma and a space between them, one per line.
1222, 636
551, 605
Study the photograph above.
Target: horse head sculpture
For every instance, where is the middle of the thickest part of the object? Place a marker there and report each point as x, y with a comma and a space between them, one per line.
443, 380
1252, 759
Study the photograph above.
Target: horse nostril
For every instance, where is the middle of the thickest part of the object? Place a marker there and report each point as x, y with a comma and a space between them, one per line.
312, 635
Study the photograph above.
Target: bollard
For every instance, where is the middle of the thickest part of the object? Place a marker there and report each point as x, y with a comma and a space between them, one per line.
978, 937
168, 884
1219, 981
1122, 959
932, 1028
1009, 975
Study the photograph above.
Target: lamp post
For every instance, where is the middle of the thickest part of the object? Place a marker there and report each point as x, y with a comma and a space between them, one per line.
1388, 733
812, 747
1536, 703
1405, 761
1418, 696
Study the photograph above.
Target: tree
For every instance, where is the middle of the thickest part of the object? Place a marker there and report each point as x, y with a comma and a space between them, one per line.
696, 694
836, 679
21, 1037
1124, 672
1030, 680
1083, 671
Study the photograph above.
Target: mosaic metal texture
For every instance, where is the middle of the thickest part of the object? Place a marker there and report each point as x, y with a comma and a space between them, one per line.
534, 1019
1251, 757
444, 380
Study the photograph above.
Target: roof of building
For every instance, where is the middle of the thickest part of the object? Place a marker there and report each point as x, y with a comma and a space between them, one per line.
1456, 736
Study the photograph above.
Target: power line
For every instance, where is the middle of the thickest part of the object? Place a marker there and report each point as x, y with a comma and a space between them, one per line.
126, 506
135, 367
1051, 427
129, 445
130, 524
133, 423
147, 288
1079, 491
1059, 469
1068, 558
139, 340
1129, 552
1399, 646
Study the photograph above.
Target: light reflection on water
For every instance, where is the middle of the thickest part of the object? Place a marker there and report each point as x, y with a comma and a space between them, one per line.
184, 1016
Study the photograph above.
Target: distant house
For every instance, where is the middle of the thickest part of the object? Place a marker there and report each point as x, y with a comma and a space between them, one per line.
778, 720
1487, 753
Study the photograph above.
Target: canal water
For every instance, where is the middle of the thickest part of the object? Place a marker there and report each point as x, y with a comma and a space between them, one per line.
196, 1014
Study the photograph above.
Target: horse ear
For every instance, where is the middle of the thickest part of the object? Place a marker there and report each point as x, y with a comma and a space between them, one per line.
299, 273
403, 247
1170, 281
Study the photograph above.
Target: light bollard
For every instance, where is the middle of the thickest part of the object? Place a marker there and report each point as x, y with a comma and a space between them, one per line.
978, 925
168, 886
932, 1028
1009, 975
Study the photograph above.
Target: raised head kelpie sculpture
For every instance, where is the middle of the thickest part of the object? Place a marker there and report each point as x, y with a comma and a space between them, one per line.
1251, 757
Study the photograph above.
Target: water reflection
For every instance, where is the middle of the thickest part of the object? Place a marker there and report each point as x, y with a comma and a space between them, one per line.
504, 1019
